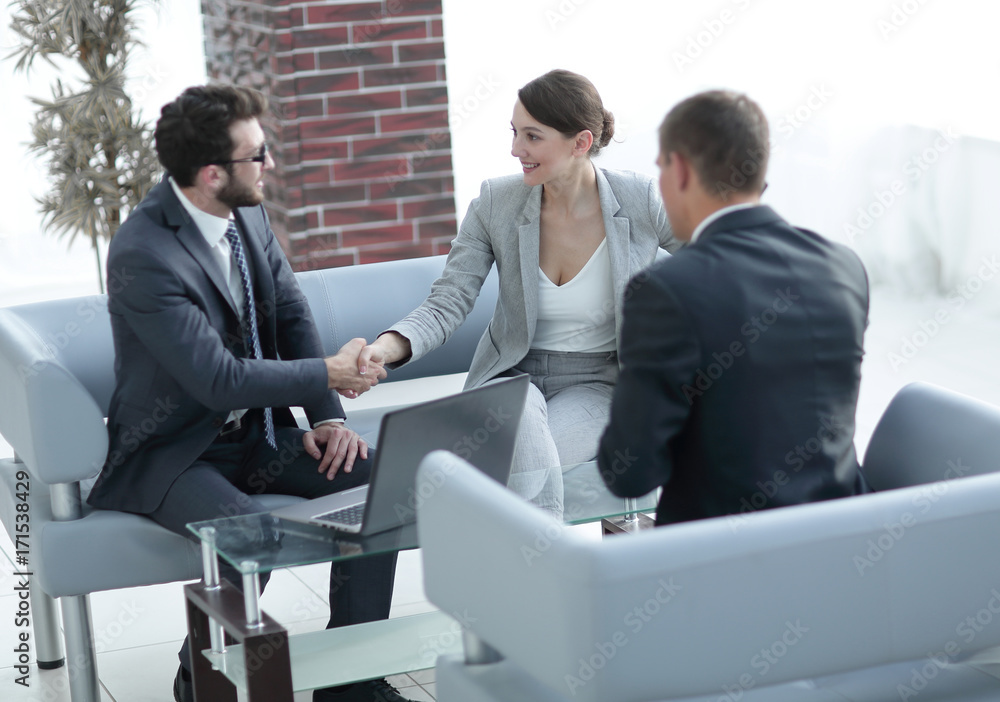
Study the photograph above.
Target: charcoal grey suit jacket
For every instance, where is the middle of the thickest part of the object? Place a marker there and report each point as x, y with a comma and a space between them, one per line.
741, 361
180, 361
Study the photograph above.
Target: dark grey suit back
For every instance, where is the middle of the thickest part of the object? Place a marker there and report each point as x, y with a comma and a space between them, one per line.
779, 314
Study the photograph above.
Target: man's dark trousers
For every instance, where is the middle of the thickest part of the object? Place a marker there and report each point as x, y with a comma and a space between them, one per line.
239, 466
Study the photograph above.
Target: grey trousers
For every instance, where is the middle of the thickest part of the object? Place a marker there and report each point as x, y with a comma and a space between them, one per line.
566, 412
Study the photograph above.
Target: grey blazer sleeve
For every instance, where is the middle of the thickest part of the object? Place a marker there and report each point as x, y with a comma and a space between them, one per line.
658, 215
453, 295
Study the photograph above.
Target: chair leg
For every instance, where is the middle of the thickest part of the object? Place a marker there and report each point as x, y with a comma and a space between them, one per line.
45, 622
83, 684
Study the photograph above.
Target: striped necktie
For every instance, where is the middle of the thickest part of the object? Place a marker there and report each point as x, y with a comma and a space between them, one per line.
249, 321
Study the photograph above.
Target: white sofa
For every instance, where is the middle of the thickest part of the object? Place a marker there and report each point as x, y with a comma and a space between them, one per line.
888, 596
56, 379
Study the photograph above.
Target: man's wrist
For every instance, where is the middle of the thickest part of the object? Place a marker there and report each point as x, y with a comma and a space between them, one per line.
317, 425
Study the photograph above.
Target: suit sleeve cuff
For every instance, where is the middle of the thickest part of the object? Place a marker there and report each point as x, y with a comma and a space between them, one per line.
317, 425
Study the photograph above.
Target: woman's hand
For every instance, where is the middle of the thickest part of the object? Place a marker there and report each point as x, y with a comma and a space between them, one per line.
388, 348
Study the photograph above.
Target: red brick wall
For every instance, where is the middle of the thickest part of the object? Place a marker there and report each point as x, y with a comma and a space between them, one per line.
361, 138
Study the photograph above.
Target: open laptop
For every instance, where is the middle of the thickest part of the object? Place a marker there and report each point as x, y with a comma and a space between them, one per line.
480, 425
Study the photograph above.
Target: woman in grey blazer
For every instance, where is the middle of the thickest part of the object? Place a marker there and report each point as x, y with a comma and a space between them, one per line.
566, 238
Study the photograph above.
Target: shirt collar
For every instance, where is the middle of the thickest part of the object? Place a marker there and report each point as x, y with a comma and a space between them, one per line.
716, 215
211, 227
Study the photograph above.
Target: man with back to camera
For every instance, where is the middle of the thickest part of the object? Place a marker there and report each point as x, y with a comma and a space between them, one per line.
206, 306
741, 354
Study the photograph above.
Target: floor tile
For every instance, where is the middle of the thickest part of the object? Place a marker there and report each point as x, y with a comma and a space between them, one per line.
316, 577
43, 686
411, 608
424, 677
138, 616
408, 595
431, 689
401, 682
418, 694
288, 599
306, 626
141, 674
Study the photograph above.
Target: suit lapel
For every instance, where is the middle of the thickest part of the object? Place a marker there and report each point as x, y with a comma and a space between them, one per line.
527, 243
617, 232
192, 239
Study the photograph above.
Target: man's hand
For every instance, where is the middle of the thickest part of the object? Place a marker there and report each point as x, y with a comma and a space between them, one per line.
342, 370
342, 445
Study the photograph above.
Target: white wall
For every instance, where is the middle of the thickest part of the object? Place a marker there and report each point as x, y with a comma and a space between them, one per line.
855, 91
845, 69
933, 70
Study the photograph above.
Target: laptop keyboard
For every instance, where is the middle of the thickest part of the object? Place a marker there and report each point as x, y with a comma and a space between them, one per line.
348, 515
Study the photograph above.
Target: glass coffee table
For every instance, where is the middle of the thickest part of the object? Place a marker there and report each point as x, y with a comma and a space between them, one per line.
244, 649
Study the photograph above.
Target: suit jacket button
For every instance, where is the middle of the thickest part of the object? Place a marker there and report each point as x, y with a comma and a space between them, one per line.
218, 422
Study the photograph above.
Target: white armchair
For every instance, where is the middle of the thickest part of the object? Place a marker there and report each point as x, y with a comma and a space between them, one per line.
887, 596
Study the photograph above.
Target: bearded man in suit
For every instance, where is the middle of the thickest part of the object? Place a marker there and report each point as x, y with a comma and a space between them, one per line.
741, 354
214, 342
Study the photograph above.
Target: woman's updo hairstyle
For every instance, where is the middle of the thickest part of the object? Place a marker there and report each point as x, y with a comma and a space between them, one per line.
569, 103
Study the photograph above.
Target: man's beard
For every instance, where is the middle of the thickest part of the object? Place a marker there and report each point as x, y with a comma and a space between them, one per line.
235, 194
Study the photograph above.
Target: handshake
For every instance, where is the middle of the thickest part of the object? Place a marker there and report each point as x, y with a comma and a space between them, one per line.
358, 366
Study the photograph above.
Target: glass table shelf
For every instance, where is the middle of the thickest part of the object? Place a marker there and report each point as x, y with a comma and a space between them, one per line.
258, 543
365, 651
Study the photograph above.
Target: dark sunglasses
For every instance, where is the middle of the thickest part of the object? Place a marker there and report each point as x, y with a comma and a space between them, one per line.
259, 158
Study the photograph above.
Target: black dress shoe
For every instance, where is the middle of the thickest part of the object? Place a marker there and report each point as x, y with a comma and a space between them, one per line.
368, 691
183, 688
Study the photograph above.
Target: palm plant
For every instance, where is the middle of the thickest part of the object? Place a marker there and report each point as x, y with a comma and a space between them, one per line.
97, 151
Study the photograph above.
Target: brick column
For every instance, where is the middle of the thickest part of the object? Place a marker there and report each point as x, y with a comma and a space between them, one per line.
361, 138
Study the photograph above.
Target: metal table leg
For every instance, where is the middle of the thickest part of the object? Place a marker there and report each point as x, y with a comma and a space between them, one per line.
210, 576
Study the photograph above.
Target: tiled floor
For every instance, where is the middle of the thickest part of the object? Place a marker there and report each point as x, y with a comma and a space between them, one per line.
138, 631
